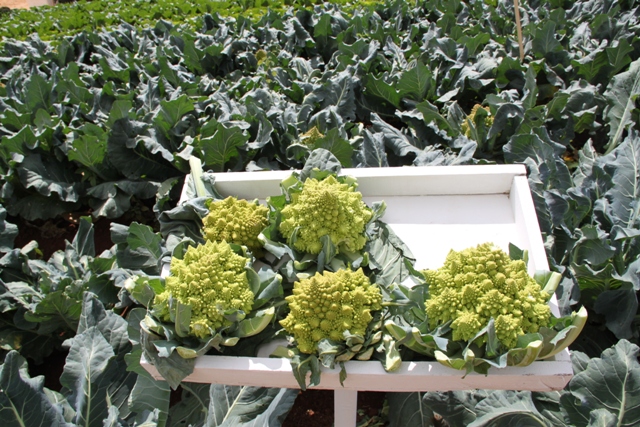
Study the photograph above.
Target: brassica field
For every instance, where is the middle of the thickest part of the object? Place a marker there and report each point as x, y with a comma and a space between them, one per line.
104, 104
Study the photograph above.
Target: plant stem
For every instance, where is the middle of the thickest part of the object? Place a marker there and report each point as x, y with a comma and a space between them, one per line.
516, 5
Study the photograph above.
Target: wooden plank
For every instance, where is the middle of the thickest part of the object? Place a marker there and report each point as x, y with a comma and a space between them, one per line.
387, 182
370, 375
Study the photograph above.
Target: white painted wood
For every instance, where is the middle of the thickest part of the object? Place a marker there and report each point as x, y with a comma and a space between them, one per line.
384, 182
345, 408
433, 210
371, 376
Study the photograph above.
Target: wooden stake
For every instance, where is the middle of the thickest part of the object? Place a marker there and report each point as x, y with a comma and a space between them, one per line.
516, 5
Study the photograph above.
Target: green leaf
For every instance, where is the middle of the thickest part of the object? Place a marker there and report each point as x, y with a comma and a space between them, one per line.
611, 382
544, 40
624, 195
171, 112
19, 142
409, 410
231, 406
8, 232
372, 152
193, 408
339, 147
38, 93
23, 400
148, 395
530, 89
618, 54
377, 88
83, 242
89, 354
602, 418
619, 306
431, 114
142, 236
457, 408
49, 177
416, 82
90, 147
621, 94
254, 325
173, 368
387, 255
119, 110
223, 146
183, 318
507, 408
57, 310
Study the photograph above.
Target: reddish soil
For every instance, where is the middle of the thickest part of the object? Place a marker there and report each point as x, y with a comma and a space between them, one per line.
314, 408
14, 4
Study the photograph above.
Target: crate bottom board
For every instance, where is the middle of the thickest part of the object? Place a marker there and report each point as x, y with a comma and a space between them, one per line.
370, 376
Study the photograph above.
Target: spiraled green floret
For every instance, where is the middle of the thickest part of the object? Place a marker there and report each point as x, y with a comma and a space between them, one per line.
235, 221
211, 278
328, 304
480, 283
466, 127
326, 207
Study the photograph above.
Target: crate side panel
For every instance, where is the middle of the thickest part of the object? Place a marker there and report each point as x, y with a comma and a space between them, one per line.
386, 182
370, 376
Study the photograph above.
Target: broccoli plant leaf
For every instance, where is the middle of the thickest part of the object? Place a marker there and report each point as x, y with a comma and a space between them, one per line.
321, 159
83, 242
249, 406
338, 146
48, 177
193, 408
621, 96
507, 408
23, 400
624, 195
409, 410
416, 82
8, 232
388, 254
223, 146
372, 152
89, 354
611, 382
457, 408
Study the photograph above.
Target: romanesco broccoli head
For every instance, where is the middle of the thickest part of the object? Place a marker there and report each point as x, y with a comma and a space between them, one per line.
211, 278
480, 283
235, 221
310, 137
466, 128
328, 304
326, 207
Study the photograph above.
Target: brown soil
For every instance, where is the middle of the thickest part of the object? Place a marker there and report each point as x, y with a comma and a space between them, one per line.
314, 408
14, 4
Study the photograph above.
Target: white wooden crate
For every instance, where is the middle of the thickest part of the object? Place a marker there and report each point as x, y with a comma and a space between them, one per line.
432, 209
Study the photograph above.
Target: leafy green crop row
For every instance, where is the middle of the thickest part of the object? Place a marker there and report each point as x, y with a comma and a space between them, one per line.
69, 19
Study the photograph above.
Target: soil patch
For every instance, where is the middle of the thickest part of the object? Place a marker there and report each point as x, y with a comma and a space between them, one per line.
14, 4
314, 408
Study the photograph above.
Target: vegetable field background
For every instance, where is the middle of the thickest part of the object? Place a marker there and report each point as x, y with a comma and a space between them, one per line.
103, 103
